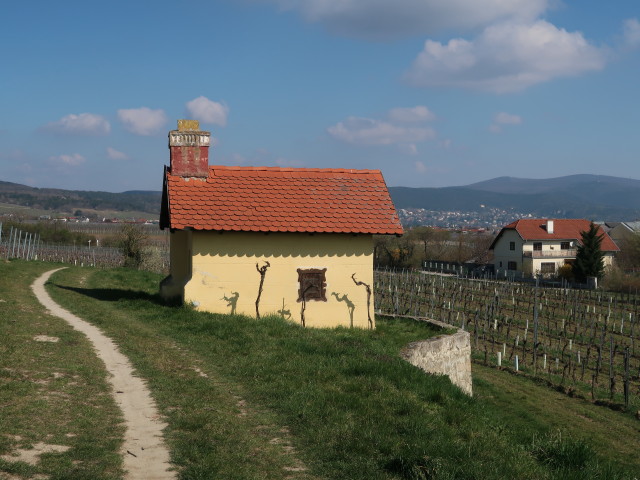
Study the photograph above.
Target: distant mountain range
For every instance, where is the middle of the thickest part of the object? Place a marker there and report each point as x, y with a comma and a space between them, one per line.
596, 197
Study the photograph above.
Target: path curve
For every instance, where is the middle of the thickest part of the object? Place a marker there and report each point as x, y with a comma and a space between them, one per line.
144, 452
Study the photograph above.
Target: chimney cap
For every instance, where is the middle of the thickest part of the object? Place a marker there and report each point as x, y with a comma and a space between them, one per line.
188, 125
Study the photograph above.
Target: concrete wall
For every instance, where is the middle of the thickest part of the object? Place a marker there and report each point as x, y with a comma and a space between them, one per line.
443, 355
224, 279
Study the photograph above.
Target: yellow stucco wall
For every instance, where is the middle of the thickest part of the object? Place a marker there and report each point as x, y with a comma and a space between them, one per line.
172, 287
224, 278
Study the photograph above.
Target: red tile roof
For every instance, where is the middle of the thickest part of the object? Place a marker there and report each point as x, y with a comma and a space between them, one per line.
563, 229
271, 199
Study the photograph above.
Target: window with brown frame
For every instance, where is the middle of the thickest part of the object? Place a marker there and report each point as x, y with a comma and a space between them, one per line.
312, 284
537, 246
548, 267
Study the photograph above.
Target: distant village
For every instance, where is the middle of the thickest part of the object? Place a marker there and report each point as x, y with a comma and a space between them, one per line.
483, 220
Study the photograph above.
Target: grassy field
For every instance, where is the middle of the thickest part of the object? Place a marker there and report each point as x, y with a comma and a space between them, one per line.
246, 399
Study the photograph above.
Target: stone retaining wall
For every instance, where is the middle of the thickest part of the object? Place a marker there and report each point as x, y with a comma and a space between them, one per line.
443, 355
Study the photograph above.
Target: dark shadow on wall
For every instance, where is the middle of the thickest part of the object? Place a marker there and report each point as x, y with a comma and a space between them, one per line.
286, 314
232, 301
250, 245
350, 305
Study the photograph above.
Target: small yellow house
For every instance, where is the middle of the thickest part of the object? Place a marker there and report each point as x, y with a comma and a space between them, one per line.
295, 242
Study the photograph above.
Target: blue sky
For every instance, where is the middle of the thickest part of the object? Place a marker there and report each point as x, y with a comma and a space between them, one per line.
433, 93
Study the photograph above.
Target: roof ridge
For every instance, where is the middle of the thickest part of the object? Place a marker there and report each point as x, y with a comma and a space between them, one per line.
293, 169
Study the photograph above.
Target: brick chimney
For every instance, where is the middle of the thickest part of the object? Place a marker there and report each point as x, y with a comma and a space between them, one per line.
189, 150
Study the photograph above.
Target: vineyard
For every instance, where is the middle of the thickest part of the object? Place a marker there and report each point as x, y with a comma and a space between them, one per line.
581, 341
16, 243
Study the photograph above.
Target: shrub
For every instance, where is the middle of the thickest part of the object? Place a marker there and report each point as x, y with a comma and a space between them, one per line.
566, 272
618, 281
133, 240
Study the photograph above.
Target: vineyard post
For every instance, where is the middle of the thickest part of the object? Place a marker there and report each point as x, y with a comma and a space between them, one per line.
9, 242
13, 248
612, 378
535, 326
22, 246
16, 253
633, 347
9, 245
626, 377
30, 251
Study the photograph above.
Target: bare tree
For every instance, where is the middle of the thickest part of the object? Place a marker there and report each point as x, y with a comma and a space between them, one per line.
368, 288
263, 272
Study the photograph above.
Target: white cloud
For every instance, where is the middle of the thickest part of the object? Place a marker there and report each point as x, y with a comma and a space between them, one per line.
143, 120
384, 18
631, 29
420, 167
418, 113
507, 118
367, 131
81, 124
504, 118
114, 154
208, 111
73, 160
408, 148
506, 57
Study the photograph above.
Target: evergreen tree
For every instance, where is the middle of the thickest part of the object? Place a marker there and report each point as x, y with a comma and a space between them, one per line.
589, 257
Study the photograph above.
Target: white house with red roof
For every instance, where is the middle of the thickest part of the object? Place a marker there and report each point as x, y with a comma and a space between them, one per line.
295, 242
541, 246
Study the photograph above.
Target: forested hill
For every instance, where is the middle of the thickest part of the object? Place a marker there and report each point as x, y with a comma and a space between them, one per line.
576, 196
70, 200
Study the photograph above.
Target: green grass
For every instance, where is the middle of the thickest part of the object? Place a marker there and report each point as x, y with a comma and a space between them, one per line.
280, 401
525, 405
55, 393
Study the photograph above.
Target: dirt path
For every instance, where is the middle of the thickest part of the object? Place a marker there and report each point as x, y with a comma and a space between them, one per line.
144, 453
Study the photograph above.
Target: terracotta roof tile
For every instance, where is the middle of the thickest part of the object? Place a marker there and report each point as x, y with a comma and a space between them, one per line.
270, 199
